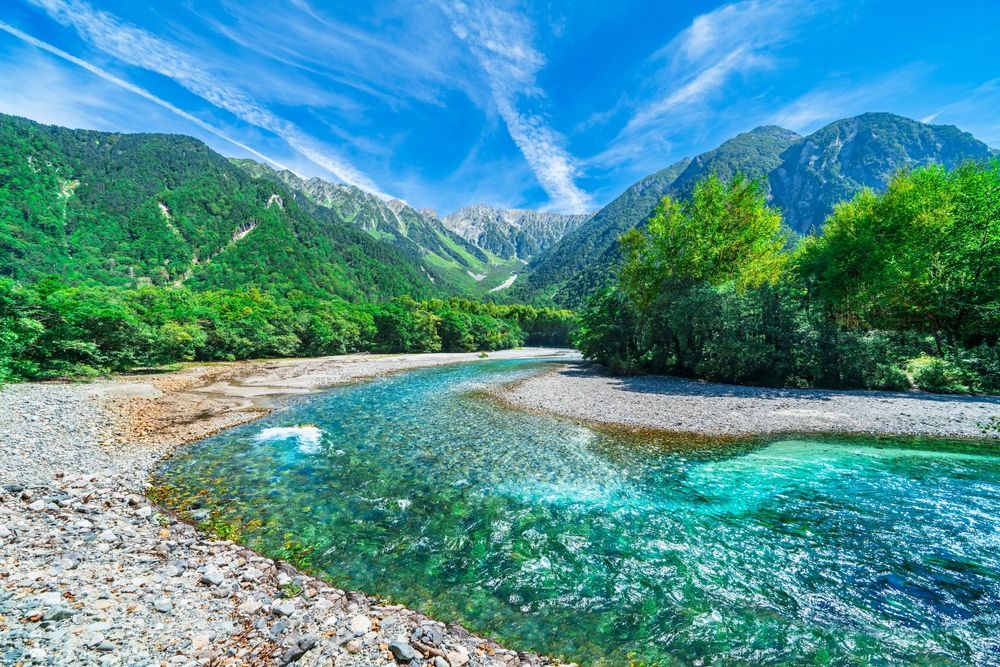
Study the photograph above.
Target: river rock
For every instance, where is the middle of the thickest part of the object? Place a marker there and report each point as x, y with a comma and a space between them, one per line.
250, 607
58, 614
283, 609
360, 625
211, 577
402, 651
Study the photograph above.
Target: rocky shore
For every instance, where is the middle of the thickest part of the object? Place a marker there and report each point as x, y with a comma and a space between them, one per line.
93, 573
582, 391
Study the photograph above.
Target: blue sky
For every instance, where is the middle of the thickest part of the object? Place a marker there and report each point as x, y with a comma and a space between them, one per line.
558, 105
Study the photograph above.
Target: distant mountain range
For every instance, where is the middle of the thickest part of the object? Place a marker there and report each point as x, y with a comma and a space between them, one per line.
804, 176
133, 208
477, 248
511, 233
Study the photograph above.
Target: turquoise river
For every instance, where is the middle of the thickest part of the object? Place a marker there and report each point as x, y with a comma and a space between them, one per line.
609, 548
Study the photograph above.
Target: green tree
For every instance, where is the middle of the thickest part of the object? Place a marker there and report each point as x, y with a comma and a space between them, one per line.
725, 233
924, 256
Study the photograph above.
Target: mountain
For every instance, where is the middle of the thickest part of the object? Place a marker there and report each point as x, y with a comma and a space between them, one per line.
452, 260
511, 233
129, 209
836, 162
804, 177
581, 259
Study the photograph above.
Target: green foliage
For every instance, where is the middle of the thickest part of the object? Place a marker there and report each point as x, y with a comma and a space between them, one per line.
805, 176
924, 257
128, 250
585, 259
938, 375
703, 294
97, 208
54, 330
403, 326
725, 233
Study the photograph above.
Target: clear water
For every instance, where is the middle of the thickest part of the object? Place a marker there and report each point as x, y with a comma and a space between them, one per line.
610, 548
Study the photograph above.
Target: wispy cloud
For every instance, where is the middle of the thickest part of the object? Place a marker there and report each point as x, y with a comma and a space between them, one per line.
974, 111
137, 47
107, 76
695, 67
734, 39
407, 59
501, 40
839, 98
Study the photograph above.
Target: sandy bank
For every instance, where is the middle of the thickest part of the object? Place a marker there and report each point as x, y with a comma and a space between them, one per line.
582, 391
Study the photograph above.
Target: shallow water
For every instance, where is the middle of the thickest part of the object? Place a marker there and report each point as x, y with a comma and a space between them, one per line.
607, 548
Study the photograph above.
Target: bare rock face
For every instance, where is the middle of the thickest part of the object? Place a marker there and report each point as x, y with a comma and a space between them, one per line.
511, 233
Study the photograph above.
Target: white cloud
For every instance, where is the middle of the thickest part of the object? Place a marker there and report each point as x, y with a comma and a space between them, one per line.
837, 99
501, 41
735, 38
107, 76
140, 48
695, 67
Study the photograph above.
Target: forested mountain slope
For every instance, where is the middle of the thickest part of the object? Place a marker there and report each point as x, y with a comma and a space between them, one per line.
804, 177
451, 259
836, 162
132, 209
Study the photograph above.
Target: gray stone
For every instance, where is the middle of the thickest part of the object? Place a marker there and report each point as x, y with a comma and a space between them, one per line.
360, 625
278, 627
402, 651
211, 578
58, 614
250, 607
163, 605
283, 609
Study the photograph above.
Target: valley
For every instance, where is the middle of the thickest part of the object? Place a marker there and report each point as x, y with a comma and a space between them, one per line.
324, 427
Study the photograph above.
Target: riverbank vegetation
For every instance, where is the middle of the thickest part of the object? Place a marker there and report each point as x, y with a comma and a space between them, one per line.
51, 329
900, 289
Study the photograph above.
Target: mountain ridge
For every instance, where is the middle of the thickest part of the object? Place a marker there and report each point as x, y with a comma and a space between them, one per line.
804, 176
446, 255
132, 209
511, 233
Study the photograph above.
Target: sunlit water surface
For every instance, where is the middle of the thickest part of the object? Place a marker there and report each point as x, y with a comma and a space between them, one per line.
608, 548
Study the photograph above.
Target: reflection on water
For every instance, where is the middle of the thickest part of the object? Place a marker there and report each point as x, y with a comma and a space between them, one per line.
604, 547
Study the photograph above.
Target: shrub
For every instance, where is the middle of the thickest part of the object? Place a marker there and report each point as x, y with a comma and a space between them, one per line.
938, 375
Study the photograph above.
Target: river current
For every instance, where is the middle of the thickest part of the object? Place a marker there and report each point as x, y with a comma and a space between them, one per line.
610, 548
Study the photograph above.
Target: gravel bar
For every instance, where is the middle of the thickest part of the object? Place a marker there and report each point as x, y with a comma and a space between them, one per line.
585, 392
